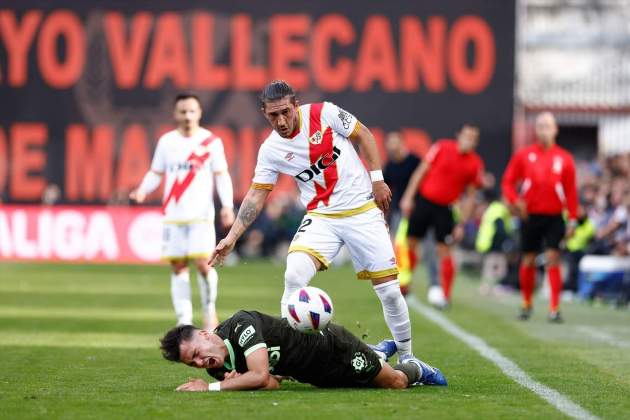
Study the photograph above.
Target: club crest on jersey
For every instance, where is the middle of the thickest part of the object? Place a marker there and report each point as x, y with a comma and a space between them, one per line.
289, 156
316, 138
326, 160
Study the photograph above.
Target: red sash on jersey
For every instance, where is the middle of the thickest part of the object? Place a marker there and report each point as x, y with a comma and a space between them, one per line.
178, 188
316, 151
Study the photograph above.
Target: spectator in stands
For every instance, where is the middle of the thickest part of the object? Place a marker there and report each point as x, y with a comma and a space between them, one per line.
577, 246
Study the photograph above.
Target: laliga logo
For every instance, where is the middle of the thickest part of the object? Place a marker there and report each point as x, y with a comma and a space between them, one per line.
322, 163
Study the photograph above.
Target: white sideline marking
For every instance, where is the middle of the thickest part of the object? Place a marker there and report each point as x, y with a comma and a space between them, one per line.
602, 336
509, 368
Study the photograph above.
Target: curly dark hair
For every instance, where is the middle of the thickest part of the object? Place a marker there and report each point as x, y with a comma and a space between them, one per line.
169, 344
275, 90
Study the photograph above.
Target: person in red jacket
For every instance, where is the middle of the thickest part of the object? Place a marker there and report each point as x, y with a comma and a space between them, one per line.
546, 175
449, 168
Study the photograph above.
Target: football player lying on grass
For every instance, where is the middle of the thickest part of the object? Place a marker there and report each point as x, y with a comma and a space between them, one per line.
252, 350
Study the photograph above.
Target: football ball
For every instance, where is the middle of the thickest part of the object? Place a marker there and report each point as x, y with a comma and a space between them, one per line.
436, 297
309, 310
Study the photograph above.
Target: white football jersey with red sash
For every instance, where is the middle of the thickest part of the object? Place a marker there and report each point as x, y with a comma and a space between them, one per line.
331, 177
188, 164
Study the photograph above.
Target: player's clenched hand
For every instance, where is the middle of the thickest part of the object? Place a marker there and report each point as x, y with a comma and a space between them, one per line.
221, 251
406, 206
232, 374
521, 208
193, 385
570, 231
382, 195
227, 217
137, 196
458, 232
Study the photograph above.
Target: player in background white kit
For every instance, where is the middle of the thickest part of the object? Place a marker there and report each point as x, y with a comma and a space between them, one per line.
192, 158
313, 143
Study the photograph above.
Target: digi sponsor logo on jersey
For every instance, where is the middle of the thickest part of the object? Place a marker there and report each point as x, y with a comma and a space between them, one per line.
246, 335
192, 165
326, 160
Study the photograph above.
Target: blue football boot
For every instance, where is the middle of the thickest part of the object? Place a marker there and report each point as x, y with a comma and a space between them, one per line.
385, 349
428, 374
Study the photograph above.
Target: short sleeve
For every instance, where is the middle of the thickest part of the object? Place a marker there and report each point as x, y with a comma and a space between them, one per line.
265, 174
340, 120
218, 163
432, 153
247, 335
159, 160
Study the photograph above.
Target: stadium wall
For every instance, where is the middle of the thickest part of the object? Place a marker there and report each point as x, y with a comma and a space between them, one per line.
87, 89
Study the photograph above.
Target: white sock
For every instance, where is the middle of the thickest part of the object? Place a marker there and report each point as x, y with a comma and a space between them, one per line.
180, 294
300, 270
208, 289
396, 314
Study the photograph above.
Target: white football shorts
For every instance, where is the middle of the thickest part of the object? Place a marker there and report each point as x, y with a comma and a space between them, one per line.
187, 240
365, 234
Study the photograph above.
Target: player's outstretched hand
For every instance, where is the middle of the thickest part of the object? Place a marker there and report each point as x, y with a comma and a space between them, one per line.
193, 385
221, 251
382, 195
137, 196
227, 217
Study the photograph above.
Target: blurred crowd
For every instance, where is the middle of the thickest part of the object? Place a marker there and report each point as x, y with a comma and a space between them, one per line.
604, 191
490, 242
602, 234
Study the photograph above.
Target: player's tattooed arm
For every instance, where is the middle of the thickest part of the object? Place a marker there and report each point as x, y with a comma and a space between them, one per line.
250, 208
248, 212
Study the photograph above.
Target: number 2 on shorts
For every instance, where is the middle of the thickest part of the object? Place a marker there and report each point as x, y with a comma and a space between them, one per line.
304, 224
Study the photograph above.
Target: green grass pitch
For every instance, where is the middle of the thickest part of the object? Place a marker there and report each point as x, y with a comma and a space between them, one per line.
80, 342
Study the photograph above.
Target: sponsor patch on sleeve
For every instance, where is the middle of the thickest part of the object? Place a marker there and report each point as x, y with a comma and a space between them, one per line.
246, 335
345, 117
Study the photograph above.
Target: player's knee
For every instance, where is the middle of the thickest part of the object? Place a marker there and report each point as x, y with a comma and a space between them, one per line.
179, 266
528, 259
443, 250
389, 292
553, 258
300, 269
202, 266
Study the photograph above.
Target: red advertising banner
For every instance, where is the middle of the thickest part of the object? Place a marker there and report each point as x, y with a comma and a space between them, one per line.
87, 87
80, 234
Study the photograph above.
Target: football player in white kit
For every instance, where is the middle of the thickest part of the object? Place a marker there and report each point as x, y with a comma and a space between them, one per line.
192, 158
345, 203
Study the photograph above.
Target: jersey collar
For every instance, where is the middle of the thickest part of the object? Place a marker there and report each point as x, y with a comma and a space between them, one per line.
298, 128
232, 365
